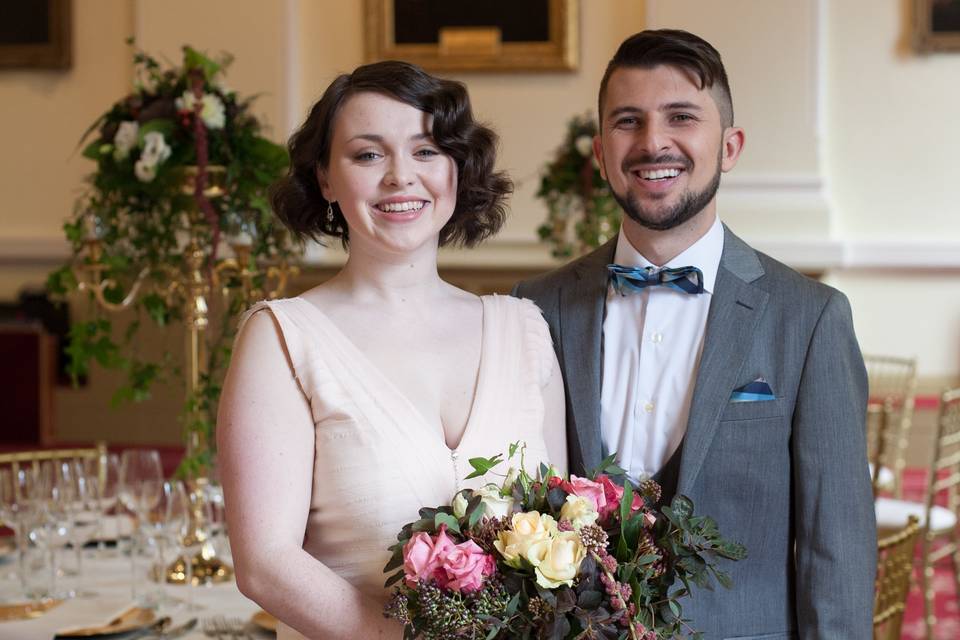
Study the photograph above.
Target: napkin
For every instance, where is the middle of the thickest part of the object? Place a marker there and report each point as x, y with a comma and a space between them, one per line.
100, 617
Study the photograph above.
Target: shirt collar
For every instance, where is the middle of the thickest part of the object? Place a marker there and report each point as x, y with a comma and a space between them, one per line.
704, 254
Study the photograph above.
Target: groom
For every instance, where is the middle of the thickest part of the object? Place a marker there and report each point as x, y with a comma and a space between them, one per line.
724, 374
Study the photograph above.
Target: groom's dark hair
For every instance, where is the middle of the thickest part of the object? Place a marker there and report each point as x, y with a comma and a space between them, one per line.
675, 48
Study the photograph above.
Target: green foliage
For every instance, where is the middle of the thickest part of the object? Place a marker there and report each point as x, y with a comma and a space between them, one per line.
481, 466
582, 213
136, 209
660, 561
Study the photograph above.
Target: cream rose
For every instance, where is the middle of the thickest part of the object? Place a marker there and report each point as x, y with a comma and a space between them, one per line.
579, 511
155, 148
584, 146
494, 504
459, 505
145, 170
212, 112
526, 529
557, 559
125, 139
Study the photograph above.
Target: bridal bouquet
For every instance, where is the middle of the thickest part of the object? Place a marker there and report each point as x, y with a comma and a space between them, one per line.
553, 557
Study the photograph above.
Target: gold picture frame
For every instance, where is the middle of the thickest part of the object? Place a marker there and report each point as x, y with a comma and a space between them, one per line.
475, 46
936, 25
37, 36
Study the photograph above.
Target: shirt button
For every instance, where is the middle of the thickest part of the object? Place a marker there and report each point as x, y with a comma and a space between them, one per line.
648, 407
656, 337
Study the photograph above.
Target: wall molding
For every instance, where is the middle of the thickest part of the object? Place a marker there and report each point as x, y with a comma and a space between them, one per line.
806, 254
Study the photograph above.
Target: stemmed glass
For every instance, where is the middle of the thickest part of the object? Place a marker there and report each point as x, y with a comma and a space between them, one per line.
165, 522
18, 497
106, 474
140, 482
49, 523
11, 513
191, 539
84, 512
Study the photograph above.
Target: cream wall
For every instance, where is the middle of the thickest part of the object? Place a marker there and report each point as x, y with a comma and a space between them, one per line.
890, 152
848, 170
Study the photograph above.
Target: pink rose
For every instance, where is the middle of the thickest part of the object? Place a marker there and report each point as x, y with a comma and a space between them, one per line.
465, 566
614, 494
423, 555
587, 489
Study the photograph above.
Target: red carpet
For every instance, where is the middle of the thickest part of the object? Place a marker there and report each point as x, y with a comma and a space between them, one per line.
945, 602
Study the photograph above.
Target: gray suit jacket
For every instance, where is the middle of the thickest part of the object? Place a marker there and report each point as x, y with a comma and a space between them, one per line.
788, 478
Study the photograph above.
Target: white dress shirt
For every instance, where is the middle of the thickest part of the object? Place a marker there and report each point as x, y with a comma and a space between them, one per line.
652, 341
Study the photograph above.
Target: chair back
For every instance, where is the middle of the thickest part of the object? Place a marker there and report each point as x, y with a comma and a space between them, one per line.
894, 568
944, 476
882, 417
891, 379
33, 459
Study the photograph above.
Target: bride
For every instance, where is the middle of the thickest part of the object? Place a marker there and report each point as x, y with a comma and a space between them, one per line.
348, 407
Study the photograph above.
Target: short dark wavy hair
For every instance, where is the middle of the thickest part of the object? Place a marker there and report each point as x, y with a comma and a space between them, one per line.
677, 48
481, 190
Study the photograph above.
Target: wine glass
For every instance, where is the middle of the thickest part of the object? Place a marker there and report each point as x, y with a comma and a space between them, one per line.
84, 512
49, 523
192, 539
140, 480
107, 472
11, 513
165, 523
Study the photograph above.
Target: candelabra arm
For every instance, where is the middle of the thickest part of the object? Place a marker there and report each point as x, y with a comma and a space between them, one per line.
97, 289
282, 274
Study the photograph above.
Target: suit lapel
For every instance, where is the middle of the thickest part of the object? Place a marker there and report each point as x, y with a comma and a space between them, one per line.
735, 310
581, 329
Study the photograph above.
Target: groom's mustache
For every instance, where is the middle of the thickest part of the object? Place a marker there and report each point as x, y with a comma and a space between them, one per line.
647, 159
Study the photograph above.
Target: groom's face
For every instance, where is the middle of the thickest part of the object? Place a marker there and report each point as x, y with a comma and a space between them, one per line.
662, 145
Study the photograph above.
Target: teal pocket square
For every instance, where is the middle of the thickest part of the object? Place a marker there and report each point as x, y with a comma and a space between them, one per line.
756, 391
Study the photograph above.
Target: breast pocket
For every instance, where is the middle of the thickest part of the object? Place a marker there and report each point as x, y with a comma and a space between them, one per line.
754, 410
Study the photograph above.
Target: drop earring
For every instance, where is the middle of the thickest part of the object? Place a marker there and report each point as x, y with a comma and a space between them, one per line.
330, 212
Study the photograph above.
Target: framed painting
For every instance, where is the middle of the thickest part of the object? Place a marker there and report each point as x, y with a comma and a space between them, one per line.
937, 25
35, 34
493, 35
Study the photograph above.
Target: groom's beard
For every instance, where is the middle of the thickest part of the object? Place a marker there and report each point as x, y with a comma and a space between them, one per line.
690, 204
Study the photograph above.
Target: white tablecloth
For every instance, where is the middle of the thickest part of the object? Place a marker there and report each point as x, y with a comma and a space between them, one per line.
110, 578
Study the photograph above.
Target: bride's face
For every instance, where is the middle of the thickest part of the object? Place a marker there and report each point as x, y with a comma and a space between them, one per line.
395, 187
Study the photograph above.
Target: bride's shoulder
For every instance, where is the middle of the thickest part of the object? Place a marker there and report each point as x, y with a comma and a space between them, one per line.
525, 307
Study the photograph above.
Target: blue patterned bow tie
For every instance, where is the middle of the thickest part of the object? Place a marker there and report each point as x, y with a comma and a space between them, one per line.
632, 279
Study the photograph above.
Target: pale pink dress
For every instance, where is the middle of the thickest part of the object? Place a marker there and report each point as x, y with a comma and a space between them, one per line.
377, 460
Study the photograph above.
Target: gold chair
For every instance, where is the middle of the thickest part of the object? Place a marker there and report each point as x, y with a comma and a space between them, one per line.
879, 420
894, 568
938, 523
891, 379
33, 459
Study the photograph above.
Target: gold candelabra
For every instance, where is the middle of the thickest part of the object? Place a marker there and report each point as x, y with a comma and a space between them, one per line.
190, 286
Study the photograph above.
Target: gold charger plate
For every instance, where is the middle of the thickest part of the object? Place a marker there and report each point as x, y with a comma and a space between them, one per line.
26, 610
264, 620
132, 619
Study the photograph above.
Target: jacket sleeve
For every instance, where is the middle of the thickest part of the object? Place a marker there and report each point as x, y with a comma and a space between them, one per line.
835, 523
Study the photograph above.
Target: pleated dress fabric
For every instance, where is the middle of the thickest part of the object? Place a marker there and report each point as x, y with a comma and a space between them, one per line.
377, 459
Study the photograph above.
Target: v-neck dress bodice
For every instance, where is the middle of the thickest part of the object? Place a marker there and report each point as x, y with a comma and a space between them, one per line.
377, 459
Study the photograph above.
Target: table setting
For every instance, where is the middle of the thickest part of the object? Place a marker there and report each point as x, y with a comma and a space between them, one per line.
101, 551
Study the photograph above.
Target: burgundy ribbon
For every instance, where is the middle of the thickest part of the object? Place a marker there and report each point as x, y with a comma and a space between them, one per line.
200, 141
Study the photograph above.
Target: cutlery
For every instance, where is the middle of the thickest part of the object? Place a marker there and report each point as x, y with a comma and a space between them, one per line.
175, 632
